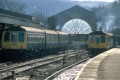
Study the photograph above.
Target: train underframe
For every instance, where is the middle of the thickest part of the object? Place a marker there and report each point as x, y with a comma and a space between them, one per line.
95, 51
17, 54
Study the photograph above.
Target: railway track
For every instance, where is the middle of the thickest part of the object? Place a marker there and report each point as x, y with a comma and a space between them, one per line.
6, 71
5, 64
68, 73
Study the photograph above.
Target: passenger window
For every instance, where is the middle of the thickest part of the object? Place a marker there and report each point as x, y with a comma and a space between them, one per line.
102, 39
6, 36
14, 37
21, 37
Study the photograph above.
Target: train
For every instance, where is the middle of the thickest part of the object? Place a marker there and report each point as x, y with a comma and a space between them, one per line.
99, 41
28, 42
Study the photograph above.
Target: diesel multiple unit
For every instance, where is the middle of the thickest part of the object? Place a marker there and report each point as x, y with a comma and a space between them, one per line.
99, 41
23, 42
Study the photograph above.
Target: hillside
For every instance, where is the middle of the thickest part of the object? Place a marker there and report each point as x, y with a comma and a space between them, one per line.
51, 7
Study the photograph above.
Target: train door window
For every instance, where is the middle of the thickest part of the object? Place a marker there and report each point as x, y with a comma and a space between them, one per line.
97, 39
54, 38
21, 37
13, 36
43, 37
48, 38
40, 38
108, 39
28, 37
92, 39
6, 36
51, 38
102, 39
32, 38
36, 38
62, 38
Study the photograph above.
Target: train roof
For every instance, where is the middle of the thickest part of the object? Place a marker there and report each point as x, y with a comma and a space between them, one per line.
13, 28
62, 33
31, 29
100, 33
50, 31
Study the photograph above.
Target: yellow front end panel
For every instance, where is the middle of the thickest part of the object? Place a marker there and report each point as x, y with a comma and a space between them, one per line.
99, 45
6, 45
14, 45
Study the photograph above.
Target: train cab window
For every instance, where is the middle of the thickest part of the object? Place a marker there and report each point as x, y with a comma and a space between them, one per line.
108, 39
6, 36
13, 36
92, 39
21, 37
98, 39
102, 39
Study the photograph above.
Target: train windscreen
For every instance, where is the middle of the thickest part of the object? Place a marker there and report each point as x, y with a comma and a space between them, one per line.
98, 39
21, 37
102, 39
6, 36
13, 36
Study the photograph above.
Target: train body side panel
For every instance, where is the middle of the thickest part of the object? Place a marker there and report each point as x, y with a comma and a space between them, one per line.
35, 40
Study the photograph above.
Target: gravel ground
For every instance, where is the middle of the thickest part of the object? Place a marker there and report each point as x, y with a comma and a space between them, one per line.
70, 73
42, 72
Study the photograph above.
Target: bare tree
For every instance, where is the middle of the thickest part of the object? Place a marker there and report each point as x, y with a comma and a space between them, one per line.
39, 17
116, 12
13, 5
2, 3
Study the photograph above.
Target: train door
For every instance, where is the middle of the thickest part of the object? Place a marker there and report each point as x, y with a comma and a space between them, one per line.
117, 40
2, 26
14, 39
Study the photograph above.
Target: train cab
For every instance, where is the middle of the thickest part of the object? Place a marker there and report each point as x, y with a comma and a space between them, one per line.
13, 38
99, 41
